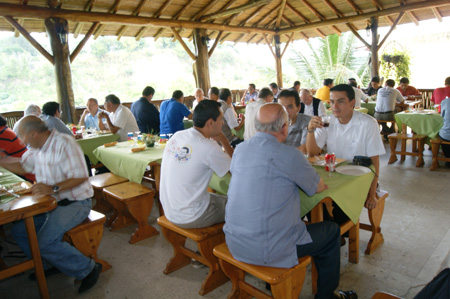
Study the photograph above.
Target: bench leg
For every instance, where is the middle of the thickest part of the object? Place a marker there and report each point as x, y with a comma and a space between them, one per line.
101, 205
120, 216
420, 161
290, 287
140, 209
353, 244
179, 259
393, 145
215, 277
375, 216
435, 150
236, 276
403, 149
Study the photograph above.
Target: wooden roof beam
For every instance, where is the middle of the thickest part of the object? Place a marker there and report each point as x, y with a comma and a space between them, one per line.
216, 41
79, 26
83, 41
136, 12
400, 16
234, 10
313, 10
281, 12
183, 44
333, 8
365, 16
306, 20
413, 18
176, 17
355, 7
437, 14
204, 10
287, 44
112, 10
355, 32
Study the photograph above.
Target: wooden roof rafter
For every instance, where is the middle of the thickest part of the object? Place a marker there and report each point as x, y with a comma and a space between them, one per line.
235, 10
136, 13
250, 17
176, 17
437, 14
319, 15
20, 21
410, 14
112, 10
355, 7
79, 26
307, 21
379, 6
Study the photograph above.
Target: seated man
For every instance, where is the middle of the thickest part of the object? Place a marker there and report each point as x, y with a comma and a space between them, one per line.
444, 133
229, 117
58, 163
359, 94
275, 90
439, 94
262, 223
171, 114
120, 120
298, 122
145, 113
323, 93
89, 118
213, 94
407, 90
199, 96
310, 105
250, 94
387, 99
265, 96
51, 115
296, 86
374, 86
190, 158
31, 109
349, 134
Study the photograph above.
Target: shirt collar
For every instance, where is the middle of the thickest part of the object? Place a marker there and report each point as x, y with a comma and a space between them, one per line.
48, 141
265, 135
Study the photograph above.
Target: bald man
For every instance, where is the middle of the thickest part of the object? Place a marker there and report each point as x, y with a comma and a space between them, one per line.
262, 218
57, 161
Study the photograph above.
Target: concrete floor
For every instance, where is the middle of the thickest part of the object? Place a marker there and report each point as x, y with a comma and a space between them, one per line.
416, 229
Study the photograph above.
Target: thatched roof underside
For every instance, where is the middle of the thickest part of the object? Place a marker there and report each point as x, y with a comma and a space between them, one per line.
325, 17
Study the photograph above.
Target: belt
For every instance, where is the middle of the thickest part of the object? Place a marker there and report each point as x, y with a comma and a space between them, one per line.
387, 112
65, 202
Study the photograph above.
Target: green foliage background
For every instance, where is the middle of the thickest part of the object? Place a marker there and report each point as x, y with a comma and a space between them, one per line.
395, 61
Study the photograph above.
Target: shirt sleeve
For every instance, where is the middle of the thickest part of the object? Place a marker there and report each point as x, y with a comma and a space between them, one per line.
322, 110
27, 160
308, 178
230, 118
400, 98
76, 166
184, 110
321, 135
218, 160
374, 144
305, 121
60, 127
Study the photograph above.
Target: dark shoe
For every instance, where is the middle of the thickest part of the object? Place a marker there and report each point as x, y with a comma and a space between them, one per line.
343, 241
47, 273
345, 295
90, 280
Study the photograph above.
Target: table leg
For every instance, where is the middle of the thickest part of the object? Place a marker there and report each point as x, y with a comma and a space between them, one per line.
403, 147
156, 173
35, 253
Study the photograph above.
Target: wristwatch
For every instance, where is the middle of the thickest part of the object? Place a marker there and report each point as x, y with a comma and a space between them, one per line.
311, 131
56, 188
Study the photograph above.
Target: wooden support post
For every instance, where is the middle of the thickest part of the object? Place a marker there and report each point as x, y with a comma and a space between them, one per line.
201, 64
278, 61
374, 46
57, 31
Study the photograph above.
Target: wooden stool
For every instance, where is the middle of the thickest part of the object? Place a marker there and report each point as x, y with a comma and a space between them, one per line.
375, 216
86, 237
393, 138
99, 182
284, 282
207, 238
132, 203
435, 146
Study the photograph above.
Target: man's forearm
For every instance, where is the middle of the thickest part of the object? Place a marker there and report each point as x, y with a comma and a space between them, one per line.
112, 127
311, 146
14, 167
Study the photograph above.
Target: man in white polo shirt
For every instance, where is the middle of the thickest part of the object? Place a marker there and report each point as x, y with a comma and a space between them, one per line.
189, 160
349, 134
387, 99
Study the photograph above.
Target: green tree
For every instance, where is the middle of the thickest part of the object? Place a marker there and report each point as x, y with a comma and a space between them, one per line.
333, 57
395, 62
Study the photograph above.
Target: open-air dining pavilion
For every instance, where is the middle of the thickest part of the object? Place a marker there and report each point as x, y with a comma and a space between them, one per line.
397, 248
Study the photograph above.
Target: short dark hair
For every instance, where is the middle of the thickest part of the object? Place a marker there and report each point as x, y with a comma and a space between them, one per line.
148, 90
296, 83
351, 79
224, 94
113, 99
204, 111
447, 81
347, 88
177, 94
375, 79
252, 85
404, 80
214, 90
352, 83
264, 93
328, 81
273, 85
390, 82
288, 93
3, 121
50, 108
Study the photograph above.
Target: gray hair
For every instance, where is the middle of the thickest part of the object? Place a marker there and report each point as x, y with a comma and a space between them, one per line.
32, 109
305, 91
275, 126
32, 123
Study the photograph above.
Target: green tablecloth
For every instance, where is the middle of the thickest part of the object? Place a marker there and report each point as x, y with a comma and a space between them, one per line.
349, 192
7, 178
370, 106
188, 123
121, 161
89, 144
422, 124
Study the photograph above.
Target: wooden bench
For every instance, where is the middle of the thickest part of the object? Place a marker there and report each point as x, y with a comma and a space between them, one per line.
86, 237
393, 139
132, 203
284, 282
206, 238
435, 146
99, 182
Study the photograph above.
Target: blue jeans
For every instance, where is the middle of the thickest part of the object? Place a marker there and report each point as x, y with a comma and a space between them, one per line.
50, 229
325, 249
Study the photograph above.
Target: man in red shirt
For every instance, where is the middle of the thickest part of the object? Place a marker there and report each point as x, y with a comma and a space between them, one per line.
439, 94
407, 90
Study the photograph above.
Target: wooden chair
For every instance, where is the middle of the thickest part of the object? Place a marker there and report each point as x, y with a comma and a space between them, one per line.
132, 203
375, 216
393, 139
435, 146
99, 182
284, 282
86, 237
206, 238
383, 295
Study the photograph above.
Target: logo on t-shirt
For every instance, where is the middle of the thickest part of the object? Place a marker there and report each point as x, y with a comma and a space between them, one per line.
180, 153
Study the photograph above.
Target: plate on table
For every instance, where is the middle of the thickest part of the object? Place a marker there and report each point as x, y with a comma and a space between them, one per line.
320, 160
354, 170
19, 188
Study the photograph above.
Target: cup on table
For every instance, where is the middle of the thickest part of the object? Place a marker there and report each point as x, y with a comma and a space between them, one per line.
326, 121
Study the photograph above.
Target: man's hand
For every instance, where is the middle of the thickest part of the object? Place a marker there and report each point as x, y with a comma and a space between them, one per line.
315, 122
103, 114
371, 202
40, 189
86, 111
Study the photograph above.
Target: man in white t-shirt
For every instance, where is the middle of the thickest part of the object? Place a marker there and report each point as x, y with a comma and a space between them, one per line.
121, 120
189, 160
230, 121
265, 96
387, 99
349, 134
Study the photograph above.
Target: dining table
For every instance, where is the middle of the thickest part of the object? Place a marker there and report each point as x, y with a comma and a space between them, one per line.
370, 106
90, 142
426, 122
23, 207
